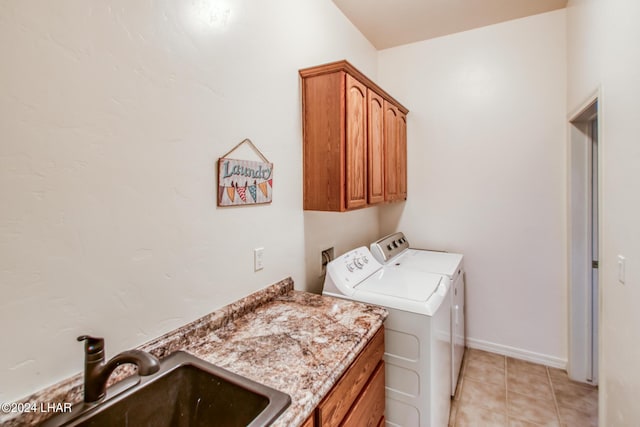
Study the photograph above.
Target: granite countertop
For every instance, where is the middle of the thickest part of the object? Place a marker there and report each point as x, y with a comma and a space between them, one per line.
295, 342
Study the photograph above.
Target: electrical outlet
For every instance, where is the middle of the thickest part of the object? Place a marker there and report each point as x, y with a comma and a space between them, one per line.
258, 259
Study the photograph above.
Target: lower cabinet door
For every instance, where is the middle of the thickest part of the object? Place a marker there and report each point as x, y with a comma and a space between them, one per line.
368, 409
309, 422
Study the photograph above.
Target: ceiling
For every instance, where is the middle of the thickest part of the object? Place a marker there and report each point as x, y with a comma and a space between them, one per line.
389, 23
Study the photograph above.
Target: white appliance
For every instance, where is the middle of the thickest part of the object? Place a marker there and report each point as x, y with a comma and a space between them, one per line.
417, 333
394, 250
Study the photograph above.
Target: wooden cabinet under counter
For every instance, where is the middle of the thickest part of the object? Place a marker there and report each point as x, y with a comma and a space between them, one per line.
358, 398
354, 136
308, 422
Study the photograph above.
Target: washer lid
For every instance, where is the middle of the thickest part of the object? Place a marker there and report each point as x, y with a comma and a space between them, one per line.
400, 283
429, 261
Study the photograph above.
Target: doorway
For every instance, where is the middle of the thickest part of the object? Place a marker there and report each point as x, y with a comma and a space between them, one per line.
584, 201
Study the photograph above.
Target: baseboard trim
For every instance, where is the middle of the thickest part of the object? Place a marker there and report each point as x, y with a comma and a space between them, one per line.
517, 353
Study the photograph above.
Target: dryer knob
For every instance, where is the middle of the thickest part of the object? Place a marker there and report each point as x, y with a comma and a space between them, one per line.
351, 266
358, 262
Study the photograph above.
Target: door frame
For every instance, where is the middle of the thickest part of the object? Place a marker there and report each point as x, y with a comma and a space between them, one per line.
583, 302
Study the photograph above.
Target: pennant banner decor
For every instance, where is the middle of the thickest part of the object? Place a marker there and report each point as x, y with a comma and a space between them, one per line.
240, 180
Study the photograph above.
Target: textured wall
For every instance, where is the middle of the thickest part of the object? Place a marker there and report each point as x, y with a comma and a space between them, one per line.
603, 55
112, 117
486, 138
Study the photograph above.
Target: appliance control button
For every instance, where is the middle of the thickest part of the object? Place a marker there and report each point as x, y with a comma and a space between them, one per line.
350, 266
365, 259
395, 244
358, 263
389, 247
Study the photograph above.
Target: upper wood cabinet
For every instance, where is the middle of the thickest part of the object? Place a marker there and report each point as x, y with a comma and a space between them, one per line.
375, 128
356, 143
402, 156
395, 125
353, 145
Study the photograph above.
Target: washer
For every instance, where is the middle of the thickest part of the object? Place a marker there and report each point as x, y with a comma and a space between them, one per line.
393, 250
417, 333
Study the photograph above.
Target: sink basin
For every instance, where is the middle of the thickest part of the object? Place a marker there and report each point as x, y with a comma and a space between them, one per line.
186, 391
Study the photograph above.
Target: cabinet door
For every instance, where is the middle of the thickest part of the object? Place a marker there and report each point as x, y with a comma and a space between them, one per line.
309, 422
324, 140
356, 143
335, 406
376, 147
368, 409
402, 156
391, 190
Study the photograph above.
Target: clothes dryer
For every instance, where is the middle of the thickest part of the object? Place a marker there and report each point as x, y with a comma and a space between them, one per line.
393, 251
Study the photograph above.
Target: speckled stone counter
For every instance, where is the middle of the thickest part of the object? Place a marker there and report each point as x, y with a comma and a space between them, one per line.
296, 342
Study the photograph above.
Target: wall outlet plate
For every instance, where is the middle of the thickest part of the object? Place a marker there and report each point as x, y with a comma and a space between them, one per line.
258, 259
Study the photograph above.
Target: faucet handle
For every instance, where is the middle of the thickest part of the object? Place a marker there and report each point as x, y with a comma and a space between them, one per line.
92, 345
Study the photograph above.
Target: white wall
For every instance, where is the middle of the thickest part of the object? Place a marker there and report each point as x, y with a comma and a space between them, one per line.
603, 53
486, 143
112, 117
341, 231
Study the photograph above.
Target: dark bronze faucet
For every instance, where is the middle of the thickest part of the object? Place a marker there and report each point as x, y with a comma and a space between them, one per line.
97, 371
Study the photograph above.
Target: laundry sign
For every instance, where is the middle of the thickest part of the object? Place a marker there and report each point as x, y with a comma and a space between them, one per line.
244, 182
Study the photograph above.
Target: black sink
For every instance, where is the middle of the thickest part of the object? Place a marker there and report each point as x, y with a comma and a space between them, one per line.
186, 391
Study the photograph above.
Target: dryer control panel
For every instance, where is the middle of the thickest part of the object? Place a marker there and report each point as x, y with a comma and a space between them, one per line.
389, 246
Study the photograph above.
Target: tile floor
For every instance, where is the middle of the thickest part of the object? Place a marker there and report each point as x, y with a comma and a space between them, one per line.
495, 390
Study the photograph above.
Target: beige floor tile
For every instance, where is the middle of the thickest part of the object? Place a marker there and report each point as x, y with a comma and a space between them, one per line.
522, 367
578, 396
527, 408
470, 415
570, 417
498, 391
488, 395
495, 360
465, 357
452, 413
560, 376
533, 385
456, 397
482, 371
513, 422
